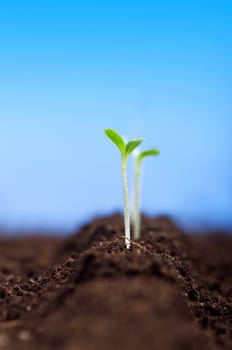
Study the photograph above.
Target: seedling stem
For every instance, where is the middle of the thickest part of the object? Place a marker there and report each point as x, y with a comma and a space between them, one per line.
137, 184
137, 189
126, 202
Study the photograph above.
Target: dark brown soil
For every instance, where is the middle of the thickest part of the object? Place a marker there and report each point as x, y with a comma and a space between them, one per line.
87, 292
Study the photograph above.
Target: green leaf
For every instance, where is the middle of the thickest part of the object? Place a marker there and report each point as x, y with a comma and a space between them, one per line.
149, 152
116, 139
132, 145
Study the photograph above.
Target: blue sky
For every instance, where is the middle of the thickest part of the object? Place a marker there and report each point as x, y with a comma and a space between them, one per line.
158, 69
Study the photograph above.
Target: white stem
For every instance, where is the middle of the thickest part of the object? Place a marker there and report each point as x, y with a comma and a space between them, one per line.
126, 203
137, 216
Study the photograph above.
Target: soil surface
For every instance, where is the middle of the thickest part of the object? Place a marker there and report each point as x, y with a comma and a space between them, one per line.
87, 292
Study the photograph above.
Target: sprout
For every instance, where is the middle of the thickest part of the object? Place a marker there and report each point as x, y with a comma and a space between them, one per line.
126, 149
137, 174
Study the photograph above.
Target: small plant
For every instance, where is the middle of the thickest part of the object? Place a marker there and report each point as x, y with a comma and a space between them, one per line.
137, 175
125, 148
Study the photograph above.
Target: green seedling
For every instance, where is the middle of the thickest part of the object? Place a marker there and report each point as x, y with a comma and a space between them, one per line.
125, 148
137, 184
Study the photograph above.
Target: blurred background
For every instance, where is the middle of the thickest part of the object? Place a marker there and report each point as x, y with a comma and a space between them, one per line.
156, 69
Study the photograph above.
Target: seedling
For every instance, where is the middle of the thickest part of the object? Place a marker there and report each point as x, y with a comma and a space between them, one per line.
137, 175
125, 148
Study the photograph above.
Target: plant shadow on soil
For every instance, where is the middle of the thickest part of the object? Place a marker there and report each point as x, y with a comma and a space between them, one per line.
88, 292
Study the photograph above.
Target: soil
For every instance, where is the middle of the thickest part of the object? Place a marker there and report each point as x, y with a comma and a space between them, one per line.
87, 292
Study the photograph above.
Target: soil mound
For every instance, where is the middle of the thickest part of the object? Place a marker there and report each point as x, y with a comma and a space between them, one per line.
87, 292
